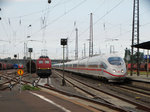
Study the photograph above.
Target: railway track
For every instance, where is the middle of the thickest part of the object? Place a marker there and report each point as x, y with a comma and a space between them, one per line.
100, 98
98, 105
10, 79
135, 106
139, 94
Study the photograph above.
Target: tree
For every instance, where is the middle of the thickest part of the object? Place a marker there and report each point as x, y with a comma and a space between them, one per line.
127, 56
141, 57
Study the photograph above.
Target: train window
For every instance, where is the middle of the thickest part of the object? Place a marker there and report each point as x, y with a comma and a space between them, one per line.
115, 61
74, 65
93, 66
47, 62
81, 65
40, 62
70, 65
103, 65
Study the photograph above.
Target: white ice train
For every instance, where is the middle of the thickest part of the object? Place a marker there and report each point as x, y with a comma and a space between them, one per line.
111, 67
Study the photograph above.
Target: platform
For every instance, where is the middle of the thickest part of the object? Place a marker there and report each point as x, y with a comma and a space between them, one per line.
37, 101
142, 78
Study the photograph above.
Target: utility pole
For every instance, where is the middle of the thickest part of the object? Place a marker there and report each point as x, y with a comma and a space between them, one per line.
0, 10
147, 62
76, 45
135, 34
24, 51
91, 36
112, 49
84, 50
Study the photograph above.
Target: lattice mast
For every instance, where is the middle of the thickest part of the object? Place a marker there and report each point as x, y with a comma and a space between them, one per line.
135, 34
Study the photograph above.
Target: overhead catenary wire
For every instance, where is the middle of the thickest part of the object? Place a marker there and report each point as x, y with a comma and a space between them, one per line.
52, 22
44, 19
98, 6
102, 16
20, 18
5, 24
9, 23
40, 11
23, 21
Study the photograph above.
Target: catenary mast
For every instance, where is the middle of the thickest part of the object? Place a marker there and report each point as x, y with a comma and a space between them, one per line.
135, 34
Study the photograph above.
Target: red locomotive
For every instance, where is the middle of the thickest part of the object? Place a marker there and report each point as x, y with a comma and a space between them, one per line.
43, 66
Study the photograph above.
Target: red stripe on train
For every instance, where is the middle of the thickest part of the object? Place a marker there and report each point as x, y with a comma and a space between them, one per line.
98, 70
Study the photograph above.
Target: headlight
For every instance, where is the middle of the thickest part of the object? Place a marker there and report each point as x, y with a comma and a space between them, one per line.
114, 70
122, 71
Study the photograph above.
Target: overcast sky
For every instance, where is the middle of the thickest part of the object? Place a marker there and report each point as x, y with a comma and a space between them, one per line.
48, 23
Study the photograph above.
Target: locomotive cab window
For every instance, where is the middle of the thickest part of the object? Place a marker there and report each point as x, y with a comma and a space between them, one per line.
115, 61
46, 62
40, 62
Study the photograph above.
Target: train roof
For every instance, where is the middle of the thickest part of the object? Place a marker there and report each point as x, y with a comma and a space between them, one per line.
91, 59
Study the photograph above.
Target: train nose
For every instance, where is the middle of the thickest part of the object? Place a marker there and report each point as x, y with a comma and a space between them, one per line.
118, 71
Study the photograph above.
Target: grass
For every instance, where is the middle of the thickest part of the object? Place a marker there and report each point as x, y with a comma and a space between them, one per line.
28, 87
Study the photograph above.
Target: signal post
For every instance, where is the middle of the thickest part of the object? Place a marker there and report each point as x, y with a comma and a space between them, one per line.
30, 50
63, 42
20, 73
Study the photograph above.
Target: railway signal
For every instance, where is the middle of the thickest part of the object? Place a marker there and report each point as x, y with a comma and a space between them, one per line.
63, 42
20, 72
30, 50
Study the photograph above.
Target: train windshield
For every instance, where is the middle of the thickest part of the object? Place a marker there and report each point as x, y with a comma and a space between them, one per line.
47, 62
115, 61
40, 62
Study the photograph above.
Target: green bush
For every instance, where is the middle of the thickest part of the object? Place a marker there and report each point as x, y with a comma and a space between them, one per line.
28, 87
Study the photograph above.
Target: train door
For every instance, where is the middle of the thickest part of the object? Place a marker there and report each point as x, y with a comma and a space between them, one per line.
103, 67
